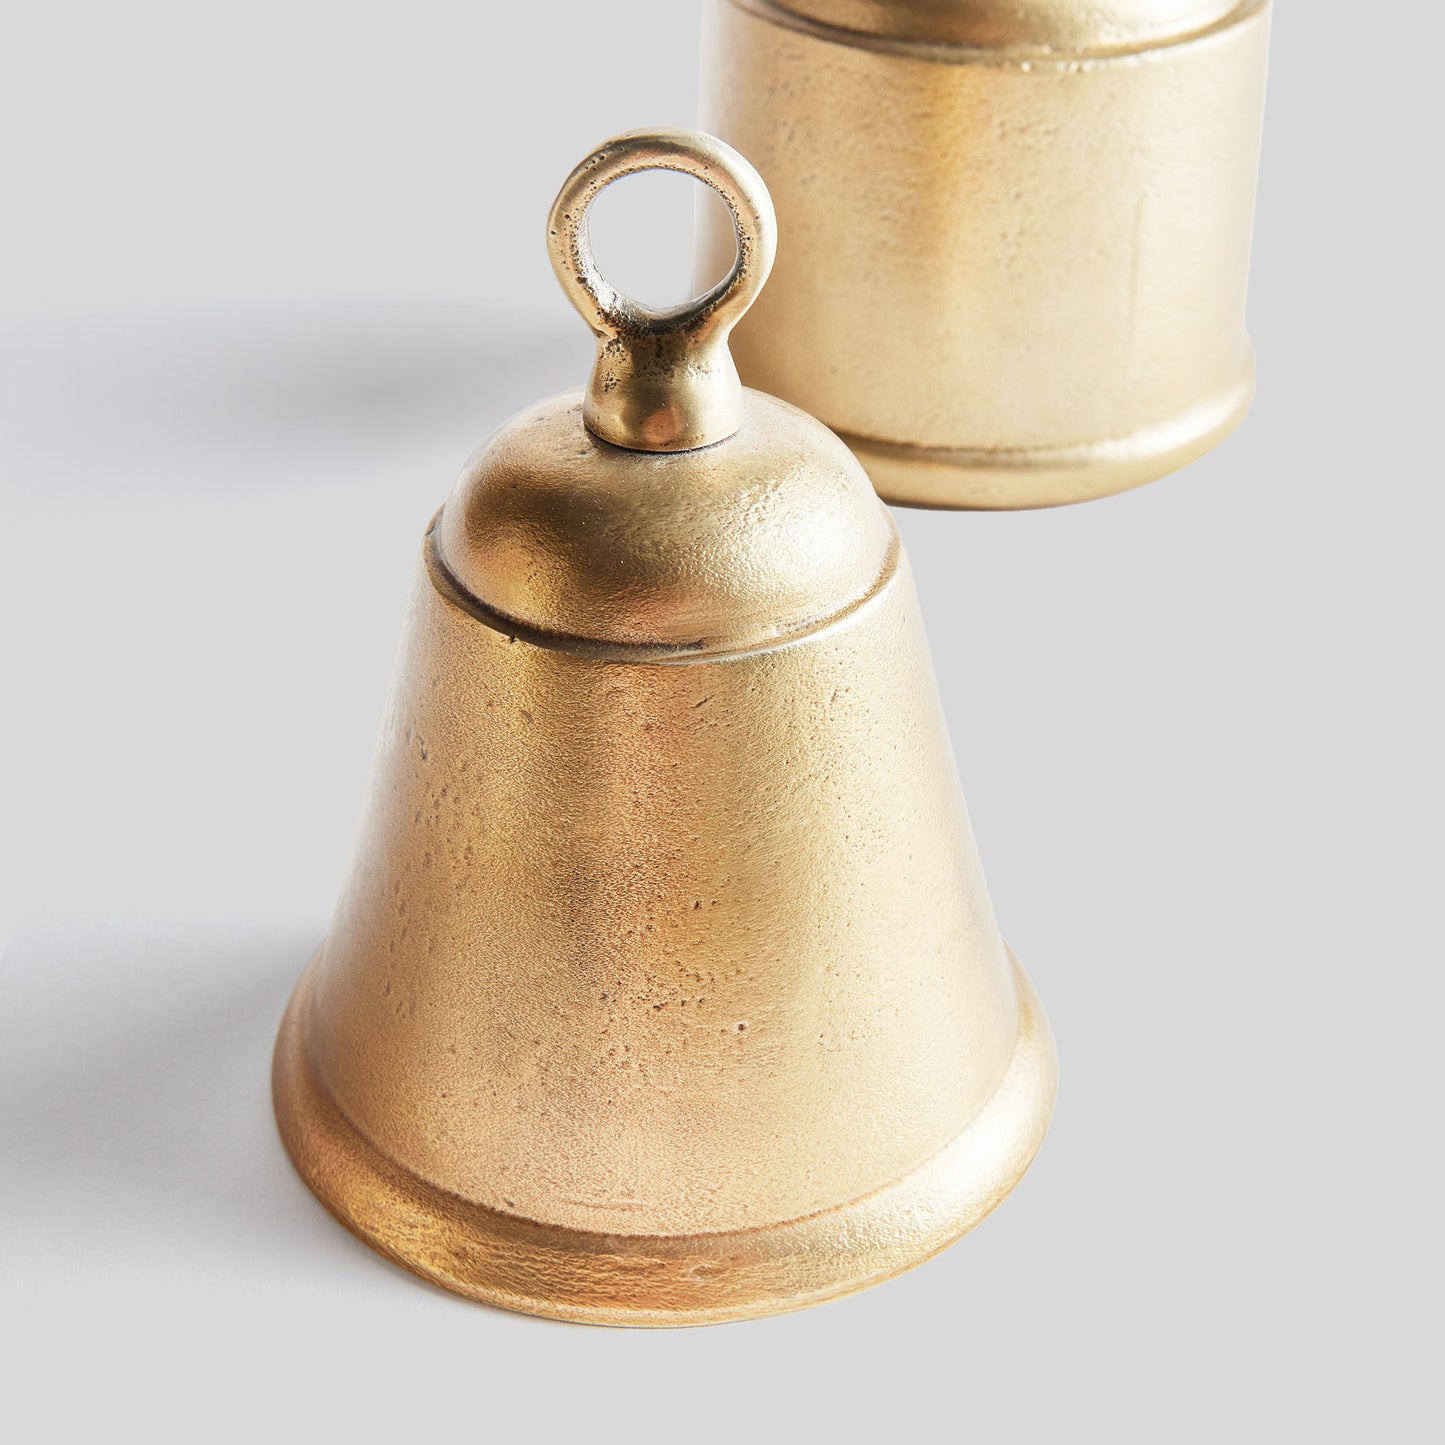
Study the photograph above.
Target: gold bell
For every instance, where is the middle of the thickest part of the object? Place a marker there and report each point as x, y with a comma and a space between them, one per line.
665, 987
1036, 219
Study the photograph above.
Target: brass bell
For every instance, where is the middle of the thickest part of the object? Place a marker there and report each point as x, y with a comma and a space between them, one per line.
1036, 216
665, 987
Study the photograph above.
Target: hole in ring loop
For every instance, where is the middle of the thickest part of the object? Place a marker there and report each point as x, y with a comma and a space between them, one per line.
642, 229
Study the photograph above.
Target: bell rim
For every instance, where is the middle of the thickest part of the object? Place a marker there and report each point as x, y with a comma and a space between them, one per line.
1023, 51
1030, 478
598, 1278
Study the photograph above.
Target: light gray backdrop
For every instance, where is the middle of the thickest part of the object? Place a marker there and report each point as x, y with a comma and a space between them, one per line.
269, 273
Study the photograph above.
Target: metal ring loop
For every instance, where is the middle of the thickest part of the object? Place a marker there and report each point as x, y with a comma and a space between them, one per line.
608, 311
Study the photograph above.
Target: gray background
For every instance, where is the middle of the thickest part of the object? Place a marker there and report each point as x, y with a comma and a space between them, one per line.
269, 273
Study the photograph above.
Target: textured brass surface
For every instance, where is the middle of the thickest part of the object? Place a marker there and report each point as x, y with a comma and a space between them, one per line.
1036, 223
563, 535
665, 986
680, 1279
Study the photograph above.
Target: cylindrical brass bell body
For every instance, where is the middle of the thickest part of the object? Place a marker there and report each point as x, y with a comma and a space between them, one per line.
664, 987
1015, 236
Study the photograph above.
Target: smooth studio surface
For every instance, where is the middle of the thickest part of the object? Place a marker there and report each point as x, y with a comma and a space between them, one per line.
1196, 727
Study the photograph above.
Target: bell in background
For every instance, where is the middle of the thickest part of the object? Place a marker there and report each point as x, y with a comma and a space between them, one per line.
1036, 218
665, 987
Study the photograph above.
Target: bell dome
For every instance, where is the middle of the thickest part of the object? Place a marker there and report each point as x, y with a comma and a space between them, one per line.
765, 534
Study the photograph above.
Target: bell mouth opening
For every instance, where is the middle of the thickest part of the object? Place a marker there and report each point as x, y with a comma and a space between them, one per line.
661, 1280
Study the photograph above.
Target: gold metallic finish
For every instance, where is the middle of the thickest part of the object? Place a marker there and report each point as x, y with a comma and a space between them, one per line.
1003, 31
664, 380
1036, 223
665, 987
567, 537
676, 1279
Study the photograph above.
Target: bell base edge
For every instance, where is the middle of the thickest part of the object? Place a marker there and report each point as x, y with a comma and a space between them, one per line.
1030, 477
640, 1280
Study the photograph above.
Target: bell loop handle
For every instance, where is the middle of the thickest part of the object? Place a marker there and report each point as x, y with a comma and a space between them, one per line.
663, 380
